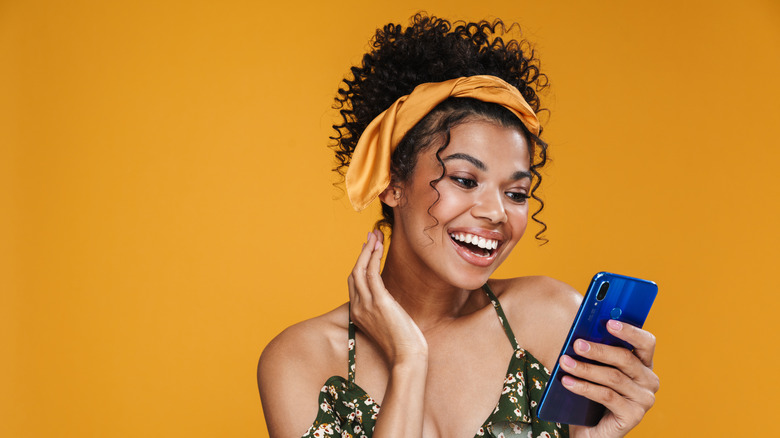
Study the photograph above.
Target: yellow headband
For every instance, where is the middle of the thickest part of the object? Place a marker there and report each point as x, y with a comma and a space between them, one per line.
369, 169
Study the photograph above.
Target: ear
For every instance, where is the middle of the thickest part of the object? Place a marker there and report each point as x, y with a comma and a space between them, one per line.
391, 195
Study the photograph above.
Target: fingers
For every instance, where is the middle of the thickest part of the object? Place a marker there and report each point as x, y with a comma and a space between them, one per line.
623, 414
608, 397
366, 272
603, 383
616, 377
621, 361
373, 271
642, 340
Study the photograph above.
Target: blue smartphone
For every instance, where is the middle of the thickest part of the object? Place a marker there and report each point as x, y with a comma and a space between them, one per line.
609, 296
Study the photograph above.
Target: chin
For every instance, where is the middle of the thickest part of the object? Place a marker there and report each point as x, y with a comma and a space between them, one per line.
464, 280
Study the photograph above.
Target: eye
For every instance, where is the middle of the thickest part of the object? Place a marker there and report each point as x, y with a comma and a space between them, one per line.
518, 197
464, 182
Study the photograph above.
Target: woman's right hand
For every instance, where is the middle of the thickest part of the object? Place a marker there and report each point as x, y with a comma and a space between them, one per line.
377, 313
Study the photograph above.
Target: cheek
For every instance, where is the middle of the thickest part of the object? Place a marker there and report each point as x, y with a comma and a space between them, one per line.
518, 219
449, 203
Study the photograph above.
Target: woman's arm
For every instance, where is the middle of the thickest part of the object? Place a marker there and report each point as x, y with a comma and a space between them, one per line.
290, 374
291, 370
379, 316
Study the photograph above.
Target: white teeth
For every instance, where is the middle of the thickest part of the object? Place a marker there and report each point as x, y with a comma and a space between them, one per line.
475, 240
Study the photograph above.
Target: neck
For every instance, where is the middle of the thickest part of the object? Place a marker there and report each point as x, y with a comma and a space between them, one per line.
429, 300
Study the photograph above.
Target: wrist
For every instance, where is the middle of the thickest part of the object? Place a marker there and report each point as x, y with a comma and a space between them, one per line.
410, 365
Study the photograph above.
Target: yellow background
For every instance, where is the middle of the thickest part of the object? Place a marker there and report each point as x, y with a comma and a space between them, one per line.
167, 206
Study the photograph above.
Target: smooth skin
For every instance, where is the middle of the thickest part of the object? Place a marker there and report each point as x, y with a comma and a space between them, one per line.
425, 326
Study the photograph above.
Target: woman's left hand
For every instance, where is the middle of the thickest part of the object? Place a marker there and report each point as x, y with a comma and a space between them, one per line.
626, 384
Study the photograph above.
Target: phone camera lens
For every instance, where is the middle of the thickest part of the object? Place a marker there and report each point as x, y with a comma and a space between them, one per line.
602, 291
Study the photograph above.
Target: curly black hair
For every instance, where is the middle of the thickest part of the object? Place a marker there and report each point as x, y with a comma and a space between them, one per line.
433, 49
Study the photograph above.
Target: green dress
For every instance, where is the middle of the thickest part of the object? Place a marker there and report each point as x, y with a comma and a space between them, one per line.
346, 410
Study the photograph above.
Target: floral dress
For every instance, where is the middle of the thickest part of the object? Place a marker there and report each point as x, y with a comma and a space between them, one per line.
347, 411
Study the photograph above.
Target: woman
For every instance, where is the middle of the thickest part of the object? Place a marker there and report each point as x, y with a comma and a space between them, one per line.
440, 124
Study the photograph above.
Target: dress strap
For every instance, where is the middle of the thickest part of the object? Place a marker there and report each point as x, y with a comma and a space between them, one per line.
501, 316
351, 346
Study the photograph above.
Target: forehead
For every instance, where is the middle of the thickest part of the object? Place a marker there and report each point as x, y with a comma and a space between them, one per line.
491, 143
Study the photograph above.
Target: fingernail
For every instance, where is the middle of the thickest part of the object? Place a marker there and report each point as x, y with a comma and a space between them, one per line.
378, 244
615, 325
567, 381
368, 236
569, 362
583, 346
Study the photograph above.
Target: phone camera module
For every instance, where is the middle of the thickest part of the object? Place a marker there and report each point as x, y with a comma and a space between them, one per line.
602, 291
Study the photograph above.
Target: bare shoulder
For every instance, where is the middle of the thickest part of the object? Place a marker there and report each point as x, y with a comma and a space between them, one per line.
540, 310
293, 368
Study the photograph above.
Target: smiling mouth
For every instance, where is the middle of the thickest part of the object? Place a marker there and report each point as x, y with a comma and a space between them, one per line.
479, 246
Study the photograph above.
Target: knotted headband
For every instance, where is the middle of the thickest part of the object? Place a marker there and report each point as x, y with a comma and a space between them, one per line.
369, 169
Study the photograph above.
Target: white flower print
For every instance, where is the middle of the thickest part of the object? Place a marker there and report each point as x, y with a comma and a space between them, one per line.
322, 431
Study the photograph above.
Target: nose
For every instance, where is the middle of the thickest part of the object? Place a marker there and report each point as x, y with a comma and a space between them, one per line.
490, 205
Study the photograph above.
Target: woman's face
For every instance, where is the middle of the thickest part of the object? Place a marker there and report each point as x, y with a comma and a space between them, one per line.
482, 210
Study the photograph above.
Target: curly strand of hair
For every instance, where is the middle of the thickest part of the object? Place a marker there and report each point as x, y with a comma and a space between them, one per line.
433, 183
537, 182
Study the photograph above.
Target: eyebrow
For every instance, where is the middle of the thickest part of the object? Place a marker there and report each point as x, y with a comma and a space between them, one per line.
520, 174
459, 156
